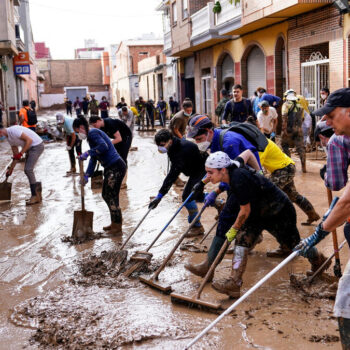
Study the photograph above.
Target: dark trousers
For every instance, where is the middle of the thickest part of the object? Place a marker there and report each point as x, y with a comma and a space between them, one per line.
282, 225
77, 147
69, 110
78, 111
104, 114
189, 185
123, 148
162, 119
112, 180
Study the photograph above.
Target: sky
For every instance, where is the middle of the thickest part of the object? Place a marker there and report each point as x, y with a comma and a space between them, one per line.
64, 24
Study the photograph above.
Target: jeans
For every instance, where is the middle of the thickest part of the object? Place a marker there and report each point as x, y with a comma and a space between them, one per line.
32, 157
77, 147
78, 111
104, 114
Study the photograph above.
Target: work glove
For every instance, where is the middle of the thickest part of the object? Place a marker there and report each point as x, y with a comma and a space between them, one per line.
272, 135
154, 203
209, 199
84, 156
223, 186
307, 243
231, 234
68, 148
323, 170
84, 180
198, 188
18, 156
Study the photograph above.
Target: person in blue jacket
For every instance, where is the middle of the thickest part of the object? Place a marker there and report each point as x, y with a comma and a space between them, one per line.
201, 129
102, 150
273, 100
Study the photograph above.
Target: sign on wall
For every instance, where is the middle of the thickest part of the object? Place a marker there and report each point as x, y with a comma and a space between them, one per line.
22, 63
22, 69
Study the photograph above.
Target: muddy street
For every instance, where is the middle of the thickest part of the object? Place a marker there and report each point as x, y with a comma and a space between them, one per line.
54, 294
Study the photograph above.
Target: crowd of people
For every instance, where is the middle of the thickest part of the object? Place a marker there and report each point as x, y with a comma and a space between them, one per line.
238, 153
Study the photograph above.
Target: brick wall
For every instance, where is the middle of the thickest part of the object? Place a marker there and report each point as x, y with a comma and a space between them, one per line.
317, 28
196, 5
139, 53
336, 64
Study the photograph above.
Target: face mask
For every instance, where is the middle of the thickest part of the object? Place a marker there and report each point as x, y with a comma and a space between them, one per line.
2, 138
323, 96
162, 149
187, 114
82, 136
203, 146
265, 111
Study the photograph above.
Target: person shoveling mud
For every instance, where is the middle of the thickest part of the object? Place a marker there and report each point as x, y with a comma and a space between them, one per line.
102, 150
31, 145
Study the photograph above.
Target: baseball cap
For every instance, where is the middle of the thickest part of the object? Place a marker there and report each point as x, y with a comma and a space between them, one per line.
196, 123
339, 98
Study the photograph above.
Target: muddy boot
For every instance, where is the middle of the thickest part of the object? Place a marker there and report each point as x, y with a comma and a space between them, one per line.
34, 198
304, 204
71, 171
196, 231
344, 330
107, 228
38, 191
303, 167
202, 268
232, 286
281, 252
316, 259
116, 229
179, 183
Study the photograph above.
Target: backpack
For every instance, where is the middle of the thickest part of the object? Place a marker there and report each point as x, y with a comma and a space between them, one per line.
233, 107
249, 131
294, 118
31, 115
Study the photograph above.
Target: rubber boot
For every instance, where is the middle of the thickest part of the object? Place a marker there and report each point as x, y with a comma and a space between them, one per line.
71, 171
115, 228
281, 252
316, 259
344, 330
304, 204
202, 268
34, 198
197, 229
38, 191
232, 285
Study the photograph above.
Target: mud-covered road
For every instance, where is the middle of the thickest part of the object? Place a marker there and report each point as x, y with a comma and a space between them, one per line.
49, 299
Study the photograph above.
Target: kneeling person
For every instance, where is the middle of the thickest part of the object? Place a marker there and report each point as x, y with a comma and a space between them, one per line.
263, 206
185, 158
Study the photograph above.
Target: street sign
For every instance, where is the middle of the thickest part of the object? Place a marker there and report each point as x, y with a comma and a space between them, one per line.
22, 59
22, 69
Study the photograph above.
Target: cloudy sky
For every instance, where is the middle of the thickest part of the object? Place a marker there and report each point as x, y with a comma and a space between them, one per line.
64, 24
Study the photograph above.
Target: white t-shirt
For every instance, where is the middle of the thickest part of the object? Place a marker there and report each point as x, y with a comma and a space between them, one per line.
15, 132
266, 121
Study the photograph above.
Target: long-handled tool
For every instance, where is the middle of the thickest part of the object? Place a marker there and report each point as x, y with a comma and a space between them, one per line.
142, 257
135, 229
83, 219
208, 233
195, 301
151, 281
311, 278
337, 267
5, 187
242, 298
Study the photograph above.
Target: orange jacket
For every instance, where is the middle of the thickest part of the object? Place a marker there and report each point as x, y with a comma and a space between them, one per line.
23, 113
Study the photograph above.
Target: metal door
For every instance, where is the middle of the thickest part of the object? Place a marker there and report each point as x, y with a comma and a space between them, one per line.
314, 77
72, 94
256, 70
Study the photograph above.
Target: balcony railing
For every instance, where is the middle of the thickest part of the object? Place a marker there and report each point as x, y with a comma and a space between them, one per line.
203, 20
167, 41
228, 12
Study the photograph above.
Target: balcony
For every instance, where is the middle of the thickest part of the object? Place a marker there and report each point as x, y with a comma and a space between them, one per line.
229, 17
257, 14
203, 24
19, 37
167, 43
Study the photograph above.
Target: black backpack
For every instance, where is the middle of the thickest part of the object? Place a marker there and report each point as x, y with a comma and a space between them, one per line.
249, 131
32, 119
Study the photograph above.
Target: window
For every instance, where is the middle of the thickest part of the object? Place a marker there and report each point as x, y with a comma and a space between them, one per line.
184, 9
174, 11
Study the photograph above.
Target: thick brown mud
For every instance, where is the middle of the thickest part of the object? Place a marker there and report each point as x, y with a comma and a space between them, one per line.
55, 295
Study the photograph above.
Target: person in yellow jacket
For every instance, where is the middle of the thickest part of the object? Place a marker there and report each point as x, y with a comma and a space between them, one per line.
282, 170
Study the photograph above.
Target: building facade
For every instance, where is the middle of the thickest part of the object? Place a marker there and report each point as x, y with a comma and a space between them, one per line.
275, 44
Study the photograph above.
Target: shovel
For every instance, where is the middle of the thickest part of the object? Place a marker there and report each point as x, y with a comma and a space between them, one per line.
145, 256
5, 187
82, 225
196, 301
151, 282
